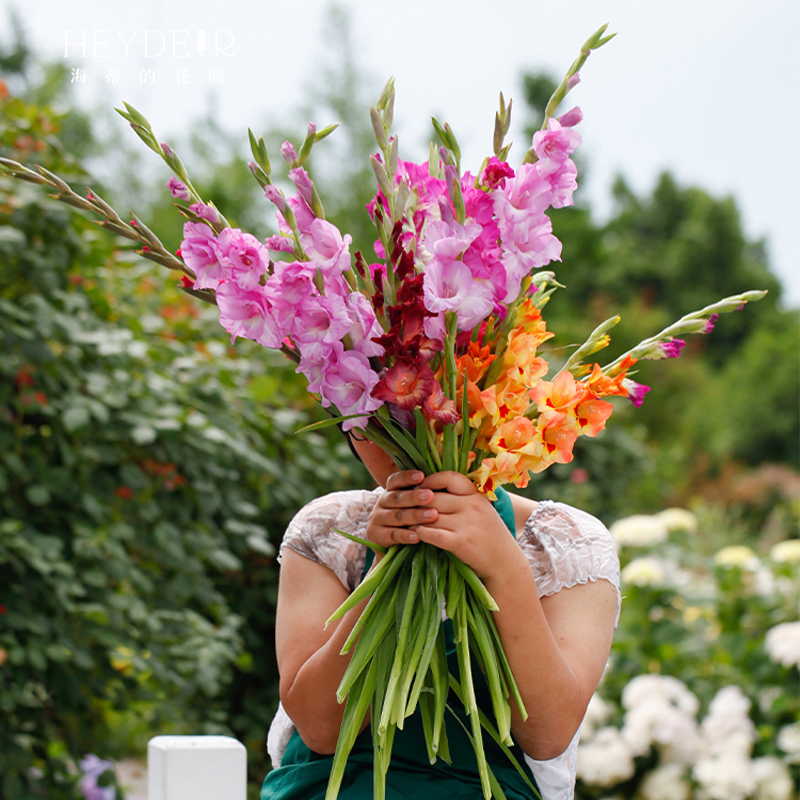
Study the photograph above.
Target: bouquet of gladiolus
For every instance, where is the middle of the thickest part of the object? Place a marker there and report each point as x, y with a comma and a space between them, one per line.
432, 351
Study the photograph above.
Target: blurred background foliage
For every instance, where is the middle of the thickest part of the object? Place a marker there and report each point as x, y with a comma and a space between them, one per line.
148, 469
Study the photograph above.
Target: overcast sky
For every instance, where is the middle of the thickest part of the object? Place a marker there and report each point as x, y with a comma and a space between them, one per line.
708, 89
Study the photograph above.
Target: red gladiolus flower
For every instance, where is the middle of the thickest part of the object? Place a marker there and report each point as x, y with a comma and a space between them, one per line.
407, 384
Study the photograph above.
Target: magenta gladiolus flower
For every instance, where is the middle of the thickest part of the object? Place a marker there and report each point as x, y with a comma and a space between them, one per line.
495, 173
636, 391
672, 348
571, 118
244, 258
200, 251
177, 188
710, 322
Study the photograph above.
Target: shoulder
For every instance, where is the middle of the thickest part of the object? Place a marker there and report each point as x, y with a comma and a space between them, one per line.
566, 547
311, 532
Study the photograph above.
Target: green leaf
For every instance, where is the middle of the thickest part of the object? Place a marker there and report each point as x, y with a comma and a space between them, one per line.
75, 417
38, 495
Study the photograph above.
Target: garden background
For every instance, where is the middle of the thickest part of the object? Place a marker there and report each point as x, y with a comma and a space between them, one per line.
148, 468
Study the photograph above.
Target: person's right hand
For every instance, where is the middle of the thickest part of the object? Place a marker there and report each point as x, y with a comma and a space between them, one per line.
400, 508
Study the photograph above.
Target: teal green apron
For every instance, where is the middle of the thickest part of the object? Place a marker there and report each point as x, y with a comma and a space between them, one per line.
303, 774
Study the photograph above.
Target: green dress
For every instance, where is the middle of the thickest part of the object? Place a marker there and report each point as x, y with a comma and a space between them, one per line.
303, 774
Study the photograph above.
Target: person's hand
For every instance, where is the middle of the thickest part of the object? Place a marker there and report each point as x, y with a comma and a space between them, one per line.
400, 509
468, 526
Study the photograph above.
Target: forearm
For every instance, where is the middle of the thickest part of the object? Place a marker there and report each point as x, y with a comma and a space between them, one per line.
310, 697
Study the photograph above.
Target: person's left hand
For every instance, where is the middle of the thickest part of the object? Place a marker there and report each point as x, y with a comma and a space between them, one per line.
468, 526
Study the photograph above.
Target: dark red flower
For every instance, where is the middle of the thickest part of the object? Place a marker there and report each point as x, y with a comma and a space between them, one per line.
406, 384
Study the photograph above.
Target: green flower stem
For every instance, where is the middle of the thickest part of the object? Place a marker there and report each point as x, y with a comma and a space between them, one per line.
370, 583
358, 703
695, 322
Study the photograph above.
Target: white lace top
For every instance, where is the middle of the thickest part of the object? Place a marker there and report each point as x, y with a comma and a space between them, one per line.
564, 546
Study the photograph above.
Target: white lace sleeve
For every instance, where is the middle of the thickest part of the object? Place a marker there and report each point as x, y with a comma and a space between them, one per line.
311, 533
566, 546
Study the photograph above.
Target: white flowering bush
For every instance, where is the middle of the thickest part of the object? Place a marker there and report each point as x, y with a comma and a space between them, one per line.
700, 701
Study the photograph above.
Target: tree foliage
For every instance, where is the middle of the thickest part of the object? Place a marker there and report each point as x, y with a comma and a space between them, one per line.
147, 472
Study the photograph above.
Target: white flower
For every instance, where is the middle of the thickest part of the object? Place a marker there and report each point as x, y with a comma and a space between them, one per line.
786, 552
675, 691
606, 760
644, 572
737, 555
783, 643
724, 777
661, 711
772, 777
666, 783
789, 741
678, 519
727, 728
640, 530
598, 713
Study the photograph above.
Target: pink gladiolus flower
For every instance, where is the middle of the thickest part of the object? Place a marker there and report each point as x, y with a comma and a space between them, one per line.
563, 184
320, 322
201, 253
299, 177
168, 151
710, 322
365, 325
495, 173
554, 146
347, 384
205, 211
449, 286
672, 348
325, 244
177, 188
571, 118
636, 391
279, 244
289, 153
248, 314
573, 81
245, 259
275, 196
448, 240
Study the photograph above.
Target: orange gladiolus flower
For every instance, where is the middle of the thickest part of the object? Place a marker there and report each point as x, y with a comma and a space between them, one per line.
558, 436
601, 385
513, 435
592, 414
563, 393
474, 363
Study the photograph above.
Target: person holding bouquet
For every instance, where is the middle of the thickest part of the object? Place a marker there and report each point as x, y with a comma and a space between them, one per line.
554, 573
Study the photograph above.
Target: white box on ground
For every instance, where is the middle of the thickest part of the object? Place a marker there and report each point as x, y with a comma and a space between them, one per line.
196, 768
